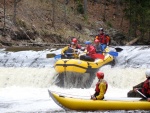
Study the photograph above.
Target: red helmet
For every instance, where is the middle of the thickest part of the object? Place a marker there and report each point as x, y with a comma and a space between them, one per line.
96, 41
74, 40
100, 75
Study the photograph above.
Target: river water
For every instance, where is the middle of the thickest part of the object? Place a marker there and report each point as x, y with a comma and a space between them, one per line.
26, 76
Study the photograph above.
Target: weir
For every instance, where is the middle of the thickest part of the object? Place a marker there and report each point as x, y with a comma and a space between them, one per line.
47, 77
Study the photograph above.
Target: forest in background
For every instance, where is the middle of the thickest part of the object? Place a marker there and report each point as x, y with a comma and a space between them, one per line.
138, 14
55, 21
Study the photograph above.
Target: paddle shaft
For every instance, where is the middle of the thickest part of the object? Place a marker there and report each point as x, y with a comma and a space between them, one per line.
141, 94
111, 53
50, 55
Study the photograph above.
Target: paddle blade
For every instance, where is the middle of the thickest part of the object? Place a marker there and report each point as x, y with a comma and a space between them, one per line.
50, 55
118, 49
58, 56
113, 53
99, 56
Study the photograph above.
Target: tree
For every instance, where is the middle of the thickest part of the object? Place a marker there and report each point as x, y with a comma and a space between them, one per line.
53, 18
138, 12
85, 8
4, 17
15, 10
65, 10
104, 13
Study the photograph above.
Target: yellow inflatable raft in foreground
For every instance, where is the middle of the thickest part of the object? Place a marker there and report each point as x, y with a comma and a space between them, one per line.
92, 105
80, 66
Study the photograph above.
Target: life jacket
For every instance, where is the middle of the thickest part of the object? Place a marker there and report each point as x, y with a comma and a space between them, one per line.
91, 50
104, 39
71, 50
97, 86
78, 46
146, 88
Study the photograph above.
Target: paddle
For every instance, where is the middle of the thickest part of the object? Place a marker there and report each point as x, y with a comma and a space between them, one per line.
50, 55
58, 56
100, 56
112, 53
141, 94
118, 49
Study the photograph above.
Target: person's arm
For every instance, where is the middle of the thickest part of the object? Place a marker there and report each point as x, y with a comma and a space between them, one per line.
64, 49
137, 87
96, 37
108, 40
93, 96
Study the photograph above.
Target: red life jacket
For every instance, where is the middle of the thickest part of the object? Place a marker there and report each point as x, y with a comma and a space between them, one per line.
97, 86
91, 49
146, 88
102, 38
78, 46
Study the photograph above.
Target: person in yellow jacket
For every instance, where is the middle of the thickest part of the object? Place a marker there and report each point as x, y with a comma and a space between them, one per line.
70, 51
101, 87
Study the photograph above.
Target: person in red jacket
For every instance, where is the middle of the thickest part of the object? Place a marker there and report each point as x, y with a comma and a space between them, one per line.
101, 87
103, 39
89, 53
142, 90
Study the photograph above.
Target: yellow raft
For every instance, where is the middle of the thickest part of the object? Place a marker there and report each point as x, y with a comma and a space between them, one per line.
92, 105
80, 66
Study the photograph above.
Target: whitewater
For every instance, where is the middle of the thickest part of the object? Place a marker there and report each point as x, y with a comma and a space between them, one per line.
26, 76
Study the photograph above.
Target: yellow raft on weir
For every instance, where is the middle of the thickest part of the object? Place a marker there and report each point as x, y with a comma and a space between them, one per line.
80, 66
93, 105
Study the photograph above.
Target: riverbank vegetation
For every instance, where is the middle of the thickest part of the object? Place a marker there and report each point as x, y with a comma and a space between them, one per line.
47, 22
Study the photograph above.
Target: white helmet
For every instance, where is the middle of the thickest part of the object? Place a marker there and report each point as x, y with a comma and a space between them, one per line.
82, 48
101, 29
147, 73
